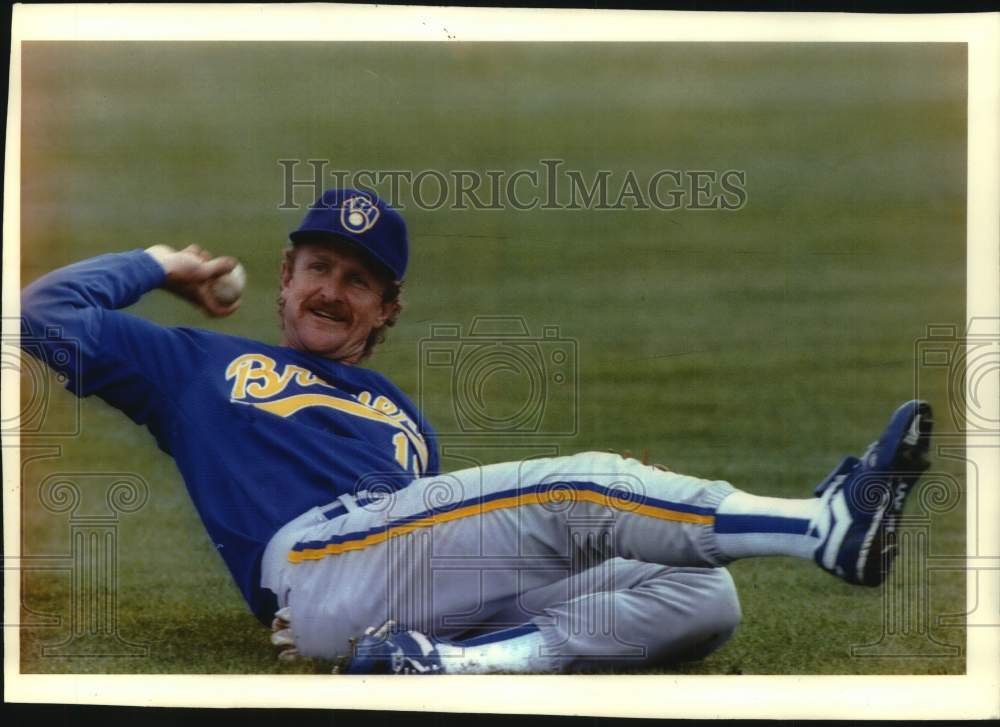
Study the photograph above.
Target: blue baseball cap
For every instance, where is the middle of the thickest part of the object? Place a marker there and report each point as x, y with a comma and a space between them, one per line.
361, 218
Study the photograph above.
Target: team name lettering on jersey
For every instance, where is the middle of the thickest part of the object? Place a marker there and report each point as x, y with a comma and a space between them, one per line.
255, 376
257, 379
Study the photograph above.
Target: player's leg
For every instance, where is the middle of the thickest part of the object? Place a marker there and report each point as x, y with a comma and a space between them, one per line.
672, 614
369, 564
662, 517
848, 527
845, 530
643, 614
619, 613
421, 556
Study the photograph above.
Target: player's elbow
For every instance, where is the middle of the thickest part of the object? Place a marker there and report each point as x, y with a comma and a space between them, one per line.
44, 305
53, 331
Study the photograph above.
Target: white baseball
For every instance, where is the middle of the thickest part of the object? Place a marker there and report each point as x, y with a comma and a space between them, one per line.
228, 288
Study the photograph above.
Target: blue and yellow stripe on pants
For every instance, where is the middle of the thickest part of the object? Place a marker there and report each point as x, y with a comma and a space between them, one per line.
548, 493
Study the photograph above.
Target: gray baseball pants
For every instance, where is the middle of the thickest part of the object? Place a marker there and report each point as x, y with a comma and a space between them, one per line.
613, 561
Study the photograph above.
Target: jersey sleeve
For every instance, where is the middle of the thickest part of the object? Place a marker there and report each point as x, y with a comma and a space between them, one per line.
71, 321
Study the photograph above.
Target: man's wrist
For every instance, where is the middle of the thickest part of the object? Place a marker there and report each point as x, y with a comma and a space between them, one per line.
161, 254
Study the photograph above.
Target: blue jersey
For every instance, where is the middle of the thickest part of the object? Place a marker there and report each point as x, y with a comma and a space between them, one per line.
260, 433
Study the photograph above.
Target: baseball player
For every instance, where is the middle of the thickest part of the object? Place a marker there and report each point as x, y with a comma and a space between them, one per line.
318, 480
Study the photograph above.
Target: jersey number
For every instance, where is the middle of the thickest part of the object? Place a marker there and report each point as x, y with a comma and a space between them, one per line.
402, 447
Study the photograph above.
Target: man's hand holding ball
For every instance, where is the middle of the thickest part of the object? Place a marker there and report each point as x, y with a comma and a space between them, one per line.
214, 284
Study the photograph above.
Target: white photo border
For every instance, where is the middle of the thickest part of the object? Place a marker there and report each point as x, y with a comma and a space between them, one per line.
921, 697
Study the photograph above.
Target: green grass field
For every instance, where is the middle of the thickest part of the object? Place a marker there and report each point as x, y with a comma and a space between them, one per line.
758, 345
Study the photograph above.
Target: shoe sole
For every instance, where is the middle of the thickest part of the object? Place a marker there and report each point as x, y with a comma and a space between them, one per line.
908, 435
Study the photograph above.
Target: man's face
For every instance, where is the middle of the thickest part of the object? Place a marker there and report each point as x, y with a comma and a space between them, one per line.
332, 301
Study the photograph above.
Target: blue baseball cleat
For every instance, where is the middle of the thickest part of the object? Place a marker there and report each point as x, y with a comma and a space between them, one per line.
863, 498
393, 650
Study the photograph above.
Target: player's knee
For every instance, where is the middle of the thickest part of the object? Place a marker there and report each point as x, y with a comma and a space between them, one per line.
725, 601
725, 613
598, 462
717, 617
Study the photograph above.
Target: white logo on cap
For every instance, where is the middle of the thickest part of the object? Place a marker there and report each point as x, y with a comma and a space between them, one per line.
358, 214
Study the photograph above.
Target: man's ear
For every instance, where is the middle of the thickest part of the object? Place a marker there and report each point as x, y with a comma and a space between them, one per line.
286, 273
383, 316
387, 310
